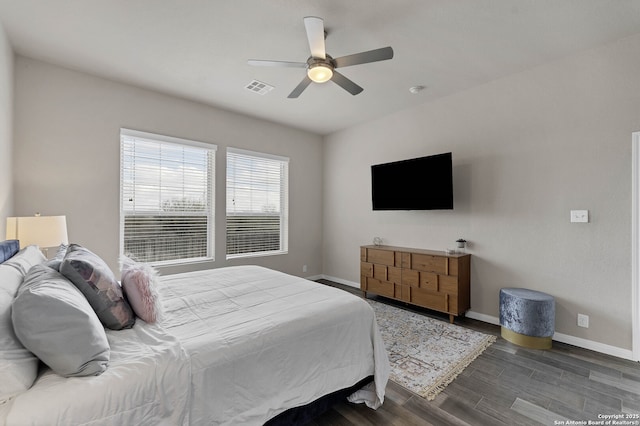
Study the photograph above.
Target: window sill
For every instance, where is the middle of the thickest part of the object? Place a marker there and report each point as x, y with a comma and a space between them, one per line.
179, 262
257, 254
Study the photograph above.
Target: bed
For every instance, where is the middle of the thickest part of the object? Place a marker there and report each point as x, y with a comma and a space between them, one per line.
236, 345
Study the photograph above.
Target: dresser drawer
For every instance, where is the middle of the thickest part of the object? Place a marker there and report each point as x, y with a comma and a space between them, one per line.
405, 260
428, 263
410, 277
429, 281
382, 288
453, 305
448, 284
366, 269
429, 299
454, 266
380, 272
403, 292
394, 275
382, 257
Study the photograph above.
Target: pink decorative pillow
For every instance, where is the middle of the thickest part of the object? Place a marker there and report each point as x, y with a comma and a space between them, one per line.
139, 281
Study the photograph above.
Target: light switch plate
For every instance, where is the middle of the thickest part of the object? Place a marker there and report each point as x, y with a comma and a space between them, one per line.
580, 216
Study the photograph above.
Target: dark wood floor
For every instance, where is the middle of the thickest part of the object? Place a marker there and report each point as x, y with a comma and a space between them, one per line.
509, 385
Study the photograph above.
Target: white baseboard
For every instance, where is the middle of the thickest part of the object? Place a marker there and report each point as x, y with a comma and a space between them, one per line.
341, 281
482, 317
594, 346
559, 337
314, 277
565, 338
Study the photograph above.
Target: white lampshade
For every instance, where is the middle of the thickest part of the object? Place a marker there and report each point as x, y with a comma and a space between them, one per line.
43, 231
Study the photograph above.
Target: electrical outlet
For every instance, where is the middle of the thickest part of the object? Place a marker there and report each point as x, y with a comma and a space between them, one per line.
580, 216
304, 268
583, 320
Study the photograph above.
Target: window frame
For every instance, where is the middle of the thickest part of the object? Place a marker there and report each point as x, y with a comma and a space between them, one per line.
284, 203
211, 186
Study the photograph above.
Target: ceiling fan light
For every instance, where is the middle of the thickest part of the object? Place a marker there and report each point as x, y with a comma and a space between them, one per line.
319, 73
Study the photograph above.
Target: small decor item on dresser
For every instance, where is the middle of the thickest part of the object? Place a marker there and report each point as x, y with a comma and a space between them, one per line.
461, 244
377, 241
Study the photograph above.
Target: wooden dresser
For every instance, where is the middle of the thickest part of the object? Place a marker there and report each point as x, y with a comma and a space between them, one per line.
426, 278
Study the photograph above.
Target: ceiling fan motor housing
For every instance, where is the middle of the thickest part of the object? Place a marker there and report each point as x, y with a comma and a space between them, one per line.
320, 70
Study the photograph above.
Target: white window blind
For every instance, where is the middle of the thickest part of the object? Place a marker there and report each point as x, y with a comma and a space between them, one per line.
257, 203
167, 201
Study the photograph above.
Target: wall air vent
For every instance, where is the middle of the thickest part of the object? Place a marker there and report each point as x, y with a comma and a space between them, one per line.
259, 87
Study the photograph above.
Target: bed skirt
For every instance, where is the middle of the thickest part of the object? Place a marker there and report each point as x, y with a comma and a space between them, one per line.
304, 414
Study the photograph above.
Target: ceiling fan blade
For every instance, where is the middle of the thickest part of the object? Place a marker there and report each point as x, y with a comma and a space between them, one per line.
345, 83
375, 55
300, 88
261, 63
315, 35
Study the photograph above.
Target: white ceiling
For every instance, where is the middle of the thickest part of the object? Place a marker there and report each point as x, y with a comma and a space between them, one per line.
198, 49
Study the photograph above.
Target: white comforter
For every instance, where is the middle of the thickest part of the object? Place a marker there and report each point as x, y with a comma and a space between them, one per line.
237, 345
147, 383
261, 342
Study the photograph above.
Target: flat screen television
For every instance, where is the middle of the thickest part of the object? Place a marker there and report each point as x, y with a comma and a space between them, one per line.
424, 183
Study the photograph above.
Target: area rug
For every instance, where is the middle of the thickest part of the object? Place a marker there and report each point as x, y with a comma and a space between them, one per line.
426, 354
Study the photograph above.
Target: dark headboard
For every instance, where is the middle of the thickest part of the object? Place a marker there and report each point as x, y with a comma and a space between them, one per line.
8, 248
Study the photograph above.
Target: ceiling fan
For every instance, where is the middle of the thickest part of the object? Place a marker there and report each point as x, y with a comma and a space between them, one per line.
320, 66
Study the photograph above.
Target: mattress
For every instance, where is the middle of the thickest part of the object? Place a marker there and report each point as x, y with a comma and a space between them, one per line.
261, 342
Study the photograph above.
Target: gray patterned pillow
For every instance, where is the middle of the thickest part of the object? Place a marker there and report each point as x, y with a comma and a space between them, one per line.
95, 280
53, 320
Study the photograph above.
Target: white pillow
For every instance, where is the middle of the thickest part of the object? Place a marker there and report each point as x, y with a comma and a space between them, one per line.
18, 366
54, 320
25, 259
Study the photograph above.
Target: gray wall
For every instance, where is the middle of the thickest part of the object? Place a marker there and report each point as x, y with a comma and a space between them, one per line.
527, 149
6, 131
67, 153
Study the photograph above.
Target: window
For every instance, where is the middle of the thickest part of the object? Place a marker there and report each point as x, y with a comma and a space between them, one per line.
257, 203
166, 198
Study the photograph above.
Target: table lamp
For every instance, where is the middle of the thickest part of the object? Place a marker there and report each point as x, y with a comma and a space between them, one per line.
43, 231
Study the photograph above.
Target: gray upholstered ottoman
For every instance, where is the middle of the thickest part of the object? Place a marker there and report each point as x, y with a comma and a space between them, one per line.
527, 317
